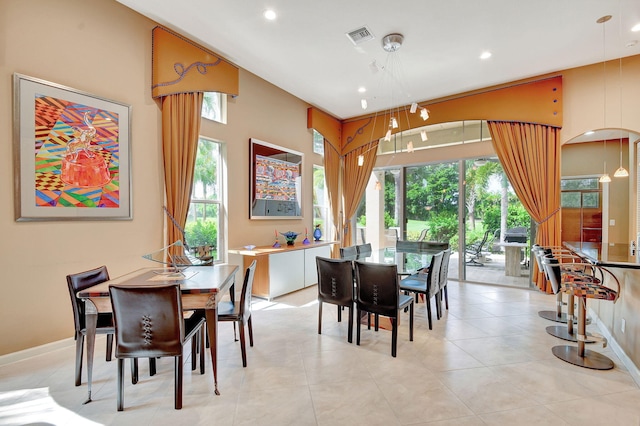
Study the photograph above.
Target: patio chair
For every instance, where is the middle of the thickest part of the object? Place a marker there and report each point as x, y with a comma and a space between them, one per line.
474, 251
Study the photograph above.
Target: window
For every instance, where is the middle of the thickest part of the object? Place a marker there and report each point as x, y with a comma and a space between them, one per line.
321, 212
214, 107
318, 143
202, 230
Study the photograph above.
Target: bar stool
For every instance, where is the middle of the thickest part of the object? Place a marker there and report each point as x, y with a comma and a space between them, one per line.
583, 287
557, 315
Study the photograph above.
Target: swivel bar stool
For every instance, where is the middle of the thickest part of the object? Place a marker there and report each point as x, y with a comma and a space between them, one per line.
583, 287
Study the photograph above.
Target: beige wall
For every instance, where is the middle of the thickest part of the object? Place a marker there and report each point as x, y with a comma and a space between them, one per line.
103, 48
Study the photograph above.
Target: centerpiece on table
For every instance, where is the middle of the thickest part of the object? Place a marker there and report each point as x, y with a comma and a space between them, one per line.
290, 236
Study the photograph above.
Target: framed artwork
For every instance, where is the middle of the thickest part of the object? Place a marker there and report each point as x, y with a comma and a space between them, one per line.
276, 182
71, 153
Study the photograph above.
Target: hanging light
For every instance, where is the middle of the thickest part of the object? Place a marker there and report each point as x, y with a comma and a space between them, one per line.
424, 113
378, 186
414, 108
363, 103
410, 147
423, 136
621, 172
394, 123
605, 176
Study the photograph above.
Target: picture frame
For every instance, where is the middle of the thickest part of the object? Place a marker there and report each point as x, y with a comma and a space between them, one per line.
276, 181
71, 153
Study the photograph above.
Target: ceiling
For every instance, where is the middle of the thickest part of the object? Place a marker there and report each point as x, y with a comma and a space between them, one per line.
306, 52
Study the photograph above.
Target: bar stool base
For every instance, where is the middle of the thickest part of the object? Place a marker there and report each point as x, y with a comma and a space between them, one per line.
591, 359
561, 332
553, 316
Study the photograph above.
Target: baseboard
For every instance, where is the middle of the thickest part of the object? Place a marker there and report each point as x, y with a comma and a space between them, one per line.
35, 351
615, 347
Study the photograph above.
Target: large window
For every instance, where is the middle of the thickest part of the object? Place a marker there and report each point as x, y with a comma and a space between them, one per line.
321, 212
203, 227
214, 107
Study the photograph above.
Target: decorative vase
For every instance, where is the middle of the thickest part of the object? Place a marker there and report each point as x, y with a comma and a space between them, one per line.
317, 233
290, 237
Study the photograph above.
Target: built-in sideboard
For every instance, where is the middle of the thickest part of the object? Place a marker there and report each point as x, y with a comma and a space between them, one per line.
284, 269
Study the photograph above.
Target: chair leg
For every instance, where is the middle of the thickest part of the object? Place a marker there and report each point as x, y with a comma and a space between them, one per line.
446, 297
250, 327
79, 352
152, 367
339, 313
178, 383
376, 321
428, 303
109, 346
134, 370
358, 316
349, 336
201, 347
120, 396
194, 350
411, 322
243, 348
394, 336
320, 316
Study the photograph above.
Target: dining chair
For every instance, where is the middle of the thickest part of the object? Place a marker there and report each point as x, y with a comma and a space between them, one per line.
443, 279
426, 284
350, 252
240, 312
583, 287
378, 292
149, 323
363, 250
78, 282
335, 286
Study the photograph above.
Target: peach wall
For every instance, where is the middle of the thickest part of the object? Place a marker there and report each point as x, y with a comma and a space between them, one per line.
105, 49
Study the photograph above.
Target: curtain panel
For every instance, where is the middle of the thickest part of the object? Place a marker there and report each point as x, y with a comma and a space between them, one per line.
355, 183
530, 156
332, 166
180, 132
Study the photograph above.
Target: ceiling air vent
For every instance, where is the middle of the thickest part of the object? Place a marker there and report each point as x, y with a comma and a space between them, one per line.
360, 35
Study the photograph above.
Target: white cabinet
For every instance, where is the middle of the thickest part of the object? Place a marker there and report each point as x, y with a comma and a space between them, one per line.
283, 270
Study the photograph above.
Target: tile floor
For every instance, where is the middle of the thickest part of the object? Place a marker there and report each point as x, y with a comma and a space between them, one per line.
487, 362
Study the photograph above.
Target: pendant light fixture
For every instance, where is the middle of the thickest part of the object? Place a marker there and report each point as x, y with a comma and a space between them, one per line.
621, 172
605, 178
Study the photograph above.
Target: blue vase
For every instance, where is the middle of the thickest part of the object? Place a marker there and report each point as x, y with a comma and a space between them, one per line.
317, 234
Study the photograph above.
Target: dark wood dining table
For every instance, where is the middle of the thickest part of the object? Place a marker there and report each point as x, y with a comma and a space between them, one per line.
202, 288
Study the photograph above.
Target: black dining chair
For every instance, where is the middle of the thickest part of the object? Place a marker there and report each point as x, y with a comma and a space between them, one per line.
78, 282
335, 286
378, 292
240, 312
443, 279
427, 284
149, 322
350, 252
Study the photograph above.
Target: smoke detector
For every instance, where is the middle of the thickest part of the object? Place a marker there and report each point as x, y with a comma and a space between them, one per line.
392, 42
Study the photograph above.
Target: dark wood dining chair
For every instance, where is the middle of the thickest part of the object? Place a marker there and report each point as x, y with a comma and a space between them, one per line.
378, 292
335, 286
427, 284
240, 312
78, 282
149, 323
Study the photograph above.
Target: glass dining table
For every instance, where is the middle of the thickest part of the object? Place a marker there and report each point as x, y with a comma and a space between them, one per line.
407, 261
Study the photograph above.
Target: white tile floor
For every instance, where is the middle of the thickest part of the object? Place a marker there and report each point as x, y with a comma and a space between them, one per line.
488, 361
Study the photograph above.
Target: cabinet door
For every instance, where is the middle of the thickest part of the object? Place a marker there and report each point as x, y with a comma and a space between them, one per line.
286, 272
310, 269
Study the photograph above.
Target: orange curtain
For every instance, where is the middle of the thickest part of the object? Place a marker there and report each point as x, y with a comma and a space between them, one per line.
355, 182
530, 156
332, 179
180, 131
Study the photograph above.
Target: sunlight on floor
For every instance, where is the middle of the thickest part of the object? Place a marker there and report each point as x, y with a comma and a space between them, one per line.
36, 406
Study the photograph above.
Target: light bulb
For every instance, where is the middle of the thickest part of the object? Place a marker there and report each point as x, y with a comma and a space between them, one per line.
410, 146
621, 172
423, 135
414, 108
394, 123
387, 137
424, 113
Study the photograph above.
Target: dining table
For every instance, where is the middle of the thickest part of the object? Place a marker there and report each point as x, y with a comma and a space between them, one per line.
202, 287
407, 260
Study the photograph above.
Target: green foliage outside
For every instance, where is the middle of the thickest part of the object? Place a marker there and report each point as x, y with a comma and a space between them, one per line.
517, 216
202, 232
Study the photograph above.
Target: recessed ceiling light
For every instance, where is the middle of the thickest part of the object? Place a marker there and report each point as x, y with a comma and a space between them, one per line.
362, 89
485, 55
636, 28
269, 14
